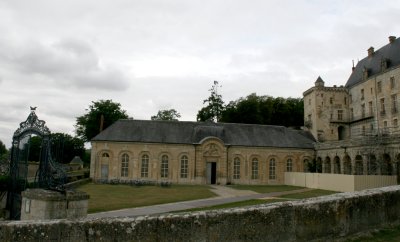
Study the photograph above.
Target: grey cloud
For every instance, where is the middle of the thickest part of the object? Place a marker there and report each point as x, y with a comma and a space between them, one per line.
68, 63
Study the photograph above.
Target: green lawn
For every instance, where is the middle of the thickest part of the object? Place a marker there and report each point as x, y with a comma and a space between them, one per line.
301, 195
265, 188
105, 197
308, 194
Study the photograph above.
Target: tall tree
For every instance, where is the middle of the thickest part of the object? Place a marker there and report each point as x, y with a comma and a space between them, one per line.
100, 115
64, 147
167, 114
215, 106
3, 152
255, 109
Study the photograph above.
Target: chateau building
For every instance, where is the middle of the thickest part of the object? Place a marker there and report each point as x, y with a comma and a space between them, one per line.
350, 129
199, 152
356, 125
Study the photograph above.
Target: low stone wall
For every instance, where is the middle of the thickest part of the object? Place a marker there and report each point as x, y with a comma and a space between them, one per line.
317, 219
338, 182
46, 204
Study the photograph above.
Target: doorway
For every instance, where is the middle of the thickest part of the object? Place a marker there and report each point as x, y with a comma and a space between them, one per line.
211, 172
104, 171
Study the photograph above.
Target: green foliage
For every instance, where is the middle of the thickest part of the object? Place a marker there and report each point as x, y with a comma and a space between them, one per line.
64, 147
88, 125
5, 181
214, 108
35, 148
3, 148
265, 110
3, 152
170, 114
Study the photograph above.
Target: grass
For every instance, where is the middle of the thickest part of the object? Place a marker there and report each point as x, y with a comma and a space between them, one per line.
265, 188
308, 194
295, 196
105, 197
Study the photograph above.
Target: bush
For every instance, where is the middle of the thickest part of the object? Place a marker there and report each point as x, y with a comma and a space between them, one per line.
5, 182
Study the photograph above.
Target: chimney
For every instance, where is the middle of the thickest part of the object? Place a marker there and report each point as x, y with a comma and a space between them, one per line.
392, 39
353, 68
370, 51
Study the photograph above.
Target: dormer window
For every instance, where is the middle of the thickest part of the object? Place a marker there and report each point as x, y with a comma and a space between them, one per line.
384, 64
365, 73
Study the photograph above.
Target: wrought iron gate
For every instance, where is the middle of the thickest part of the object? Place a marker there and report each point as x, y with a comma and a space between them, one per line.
50, 175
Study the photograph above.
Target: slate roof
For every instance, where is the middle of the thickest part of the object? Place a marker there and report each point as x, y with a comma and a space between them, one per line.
391, 52
180, 132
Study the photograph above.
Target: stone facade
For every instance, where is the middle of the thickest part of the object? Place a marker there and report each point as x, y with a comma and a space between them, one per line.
356, 125
212, 160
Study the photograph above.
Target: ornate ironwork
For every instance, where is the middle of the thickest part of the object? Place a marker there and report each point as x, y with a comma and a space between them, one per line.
50, 174
32, 125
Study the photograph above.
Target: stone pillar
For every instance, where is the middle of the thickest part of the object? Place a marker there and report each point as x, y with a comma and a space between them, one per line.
39, 204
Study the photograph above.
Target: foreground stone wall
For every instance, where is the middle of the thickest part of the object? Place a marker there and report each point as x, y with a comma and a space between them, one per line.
321, 219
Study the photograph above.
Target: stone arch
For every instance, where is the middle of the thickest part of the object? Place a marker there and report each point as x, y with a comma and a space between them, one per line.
306, 165
336, 165
347, 165
359, 168
105, 157
386, 165
327, 165
341, 132
318, 165
372, 165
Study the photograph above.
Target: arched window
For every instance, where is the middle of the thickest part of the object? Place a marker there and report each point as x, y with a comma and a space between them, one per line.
236, 168
105, 155
272, 171
254, 169
306, 165
164, 166
289, 165
184, 166
144, 171
124, 165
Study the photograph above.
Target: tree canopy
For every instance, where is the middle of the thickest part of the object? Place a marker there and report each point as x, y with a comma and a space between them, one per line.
167, 114
3, 151
214, 108
64, 147
89, 124
255, 109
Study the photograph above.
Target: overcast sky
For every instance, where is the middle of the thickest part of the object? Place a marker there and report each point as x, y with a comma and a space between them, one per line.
160, 54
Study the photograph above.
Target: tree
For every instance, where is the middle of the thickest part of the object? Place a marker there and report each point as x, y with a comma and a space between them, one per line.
214, 108
64, 147
100, 115
255, 109
170, 114
3, 152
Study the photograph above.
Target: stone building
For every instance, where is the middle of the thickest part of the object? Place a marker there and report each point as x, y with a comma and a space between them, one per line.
199, 152
356, 125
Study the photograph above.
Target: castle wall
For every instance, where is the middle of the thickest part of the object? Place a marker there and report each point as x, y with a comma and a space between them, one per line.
318, 219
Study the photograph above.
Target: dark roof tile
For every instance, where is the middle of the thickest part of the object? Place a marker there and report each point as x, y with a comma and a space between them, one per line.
179, 132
